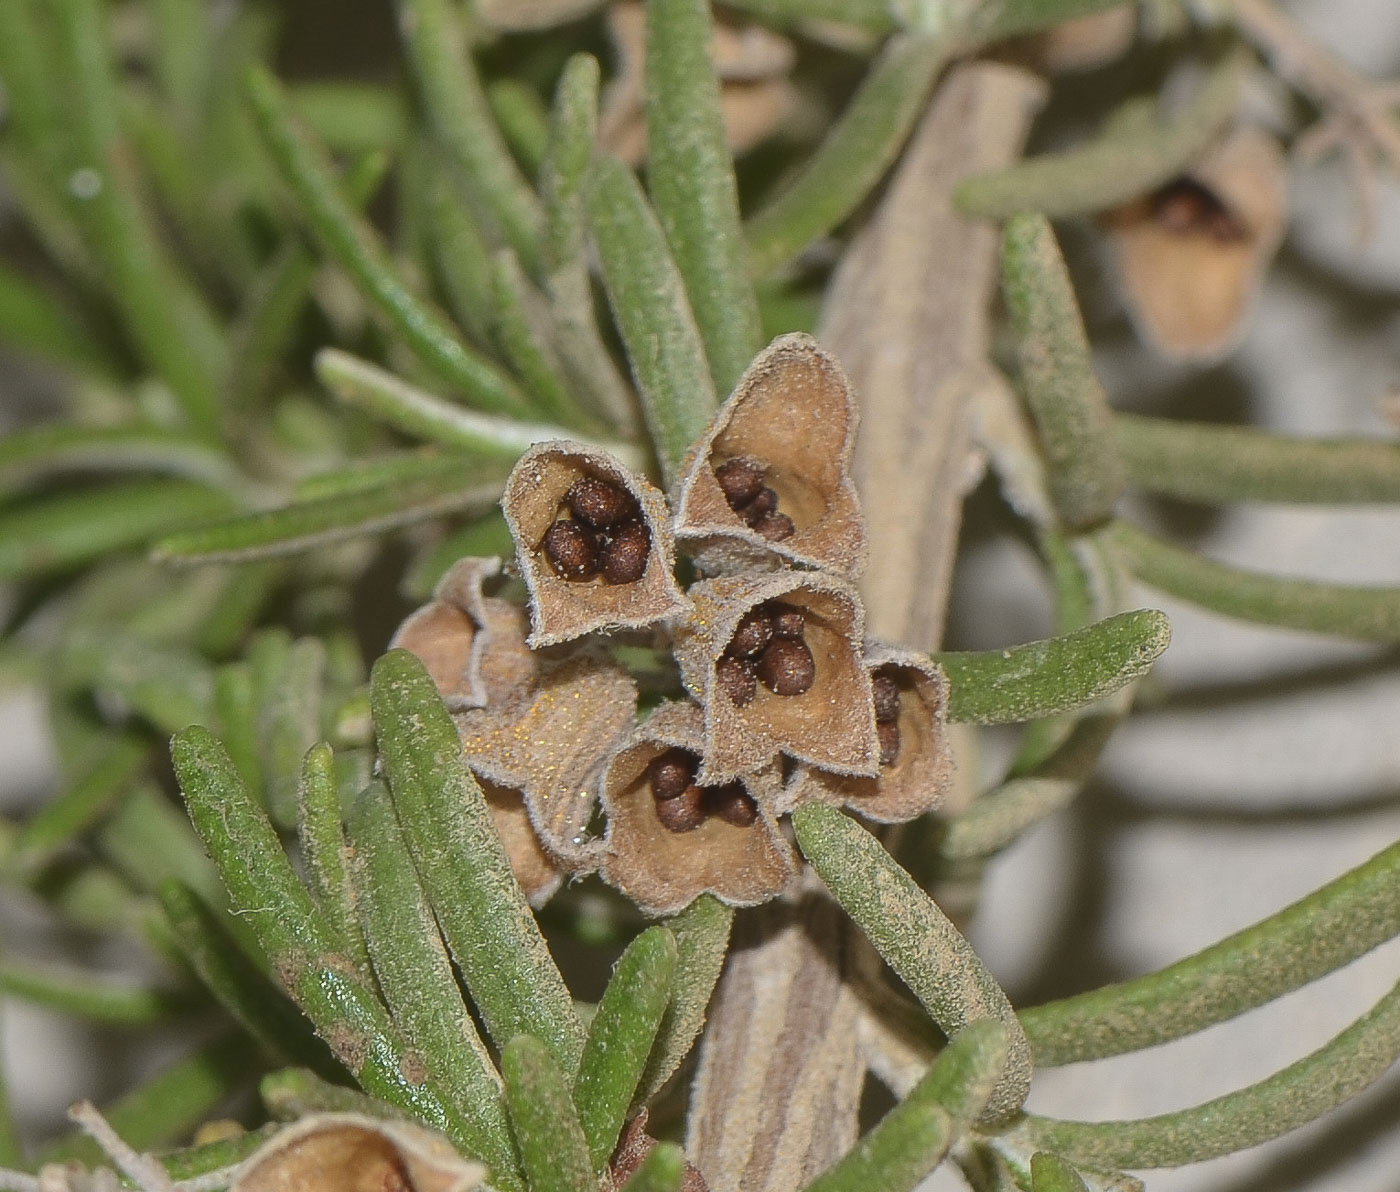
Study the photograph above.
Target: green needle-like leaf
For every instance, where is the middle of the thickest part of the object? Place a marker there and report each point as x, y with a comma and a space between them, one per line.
150, 842
564, 172
1367, 614
690, 175
1328, 928
620, 1038
1113, 169
461, 255
1218, 465
702, 938
896, 1155
295, 1092
323, 848
36, 453
1048, 677
298, 941
416, 978
223, 1155
522, 119
854, 156
34, 321
661, 1171
85, 994
967, 1071
349, 240
547, 1131
483, 915
653, 314
1292, 1097
1050, 1173
352, 117
1057, 374
915, 938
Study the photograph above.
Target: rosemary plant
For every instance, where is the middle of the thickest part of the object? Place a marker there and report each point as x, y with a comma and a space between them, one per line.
633, 857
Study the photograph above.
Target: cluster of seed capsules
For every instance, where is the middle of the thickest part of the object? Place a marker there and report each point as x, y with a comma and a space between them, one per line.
780, 700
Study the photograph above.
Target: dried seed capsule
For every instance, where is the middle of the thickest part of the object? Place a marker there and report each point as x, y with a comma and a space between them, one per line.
684, 813
775, 527
787, 667
754, 632
788, 622
888, 733
763, 504
732, 804
886, 693
740, 479
624, 553
572, 550
671, 772
599, 502
735, 677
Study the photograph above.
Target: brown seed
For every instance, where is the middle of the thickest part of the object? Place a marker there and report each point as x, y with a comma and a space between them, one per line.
760, 507
684, 813
735, 677
572, 550
888, 732
886, 693
740, 480
624, 553
775, 527
786, 667
1187, 207
599, 502
754, 632
788, 622
671, 772
732, 804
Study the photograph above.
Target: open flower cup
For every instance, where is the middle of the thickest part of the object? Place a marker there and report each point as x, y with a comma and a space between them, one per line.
780, 700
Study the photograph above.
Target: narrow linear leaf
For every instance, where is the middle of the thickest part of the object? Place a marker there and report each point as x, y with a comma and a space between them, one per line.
149, 841
352, 117
1197, 461
484, 917
1319, 933
522, 119
168, 685
250, 998
895, 1156
1057, 373
323, 848
401, 469
183, 51
1364, 613
460, 255
701, 932
855, 155
661, 1171
690, 175
967, 1072
915, 938
295, 1092
652, 312
620, 1038
85, 994
191, 1162
547, 1131
288, 688
32, 320
348, 239
1050, 1173
568, 157
266, 894
417, 981
1051, 676
1292, 1097
1116, 167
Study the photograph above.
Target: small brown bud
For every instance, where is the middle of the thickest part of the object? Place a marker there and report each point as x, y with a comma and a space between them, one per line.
572, 550
755, 631
599, 502
740, 479
671, 772
886, 693
732, 804
775, 526
787, 621
735, 677
684, 813
888, 732
786, 667
624, 553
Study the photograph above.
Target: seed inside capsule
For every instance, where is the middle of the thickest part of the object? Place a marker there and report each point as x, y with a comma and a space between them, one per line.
624, 552
685, 812
1187, 207
775, 526
754, 632
786, 667
886, 693
600, 531
788, 621
732, 804
735, 677
740, 480
572, 550
671, 772
599, 502
888, 734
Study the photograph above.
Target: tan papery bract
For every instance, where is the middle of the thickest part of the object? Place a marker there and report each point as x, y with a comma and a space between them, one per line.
537, 872
663, 871
349, 1152
1190, 292
920, 777
560, 609
792, 411
831, 725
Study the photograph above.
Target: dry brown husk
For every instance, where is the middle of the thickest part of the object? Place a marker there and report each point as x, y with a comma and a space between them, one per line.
561, 610
349, 1152
473, 645
919, 779
794, 412
537, 872
1190, 292
551, 745
663, 871
831, 725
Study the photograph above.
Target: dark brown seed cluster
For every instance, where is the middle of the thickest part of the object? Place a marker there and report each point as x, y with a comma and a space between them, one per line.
886, 693
1186, 207
741, 479
600, 532
682, 806
768, 648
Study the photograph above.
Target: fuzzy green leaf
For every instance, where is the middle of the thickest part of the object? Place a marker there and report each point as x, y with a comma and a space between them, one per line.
461, 256
1050, 1173
352, 117
85, 994
620, 1038
564, 172
661, 1171
483, 915
522, 119
36, 453
295, 1092
547, 1131
288, 686
1047, 677
323, 848
915, 938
